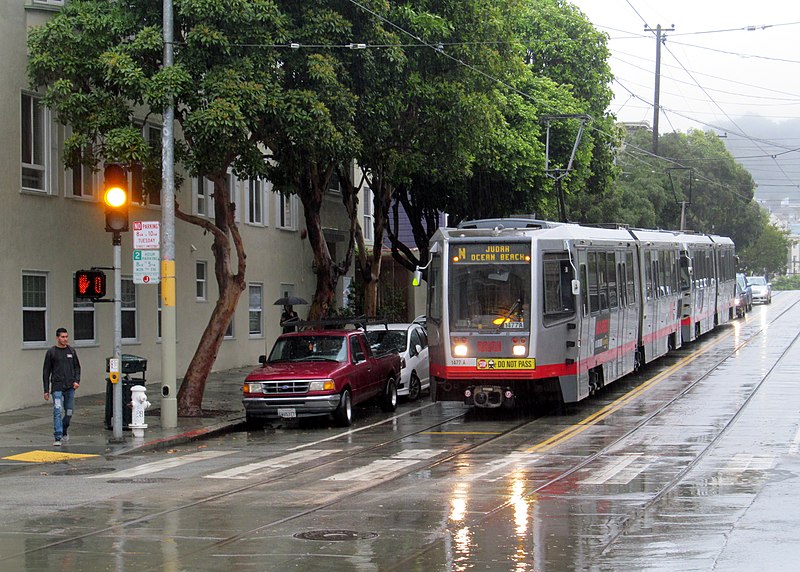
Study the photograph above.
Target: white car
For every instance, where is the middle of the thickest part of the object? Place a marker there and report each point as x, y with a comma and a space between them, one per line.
411, 342
762, 290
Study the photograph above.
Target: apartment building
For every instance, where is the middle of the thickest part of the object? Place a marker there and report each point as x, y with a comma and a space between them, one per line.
53, 225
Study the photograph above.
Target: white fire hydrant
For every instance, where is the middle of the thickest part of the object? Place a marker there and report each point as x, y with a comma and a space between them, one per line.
139, 403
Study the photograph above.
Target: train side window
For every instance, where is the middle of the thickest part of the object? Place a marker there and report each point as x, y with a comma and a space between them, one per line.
594, 301
584, 291
602, 281
435, 289
559, 301
631, 283
648, 275
612, 280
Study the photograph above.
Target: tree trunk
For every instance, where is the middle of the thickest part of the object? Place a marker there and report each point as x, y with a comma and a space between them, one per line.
231, 286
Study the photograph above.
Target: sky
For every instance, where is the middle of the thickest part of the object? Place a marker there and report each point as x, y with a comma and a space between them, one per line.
731, 67
713, 68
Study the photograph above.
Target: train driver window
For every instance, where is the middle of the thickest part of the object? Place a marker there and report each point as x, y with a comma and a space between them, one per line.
559, 302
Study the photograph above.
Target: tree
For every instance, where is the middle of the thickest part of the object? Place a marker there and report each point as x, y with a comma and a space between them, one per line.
100, 60
768, 253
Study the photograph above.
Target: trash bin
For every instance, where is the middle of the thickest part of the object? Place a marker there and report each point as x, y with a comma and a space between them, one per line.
131, 364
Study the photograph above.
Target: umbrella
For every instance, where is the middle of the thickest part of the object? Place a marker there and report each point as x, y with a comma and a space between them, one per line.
289, 301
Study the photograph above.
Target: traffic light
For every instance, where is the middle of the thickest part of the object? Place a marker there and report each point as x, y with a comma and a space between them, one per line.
115, 198
90, 284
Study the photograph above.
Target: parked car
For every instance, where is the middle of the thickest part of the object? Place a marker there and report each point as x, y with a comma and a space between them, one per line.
320, 372
411, 342
743, 301
762, 290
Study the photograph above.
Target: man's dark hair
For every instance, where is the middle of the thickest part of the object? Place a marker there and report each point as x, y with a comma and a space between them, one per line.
60, 331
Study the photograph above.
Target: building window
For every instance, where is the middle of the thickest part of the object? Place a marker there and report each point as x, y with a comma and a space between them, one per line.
34, 309
235, 196
256, 310
83, 319
35, 144
201, 281
229, 331
151, 134
334, 185
256, 202
82, 181
128, 310
49, 2
202, 189
369, 217
287, 211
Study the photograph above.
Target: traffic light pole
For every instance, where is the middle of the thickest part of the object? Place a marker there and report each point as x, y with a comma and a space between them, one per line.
117, 405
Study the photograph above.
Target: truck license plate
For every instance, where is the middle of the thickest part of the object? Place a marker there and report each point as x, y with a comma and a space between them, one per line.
286, 413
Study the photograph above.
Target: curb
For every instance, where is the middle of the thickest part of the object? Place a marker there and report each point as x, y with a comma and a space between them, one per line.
227, 425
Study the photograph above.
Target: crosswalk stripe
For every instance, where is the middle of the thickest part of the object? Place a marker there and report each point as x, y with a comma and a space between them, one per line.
262, 468
157, 466
383, 468
612, 469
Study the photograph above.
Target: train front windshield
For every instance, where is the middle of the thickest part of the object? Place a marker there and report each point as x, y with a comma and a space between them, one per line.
489, 287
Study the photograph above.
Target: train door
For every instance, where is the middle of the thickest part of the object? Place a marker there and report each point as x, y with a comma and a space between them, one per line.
616, 313
585, 324
630, 326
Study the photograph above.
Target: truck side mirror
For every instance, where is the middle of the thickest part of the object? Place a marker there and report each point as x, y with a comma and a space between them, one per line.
262, 359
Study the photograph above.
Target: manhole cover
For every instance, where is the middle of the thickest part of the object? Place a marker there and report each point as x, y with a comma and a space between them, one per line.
335, 535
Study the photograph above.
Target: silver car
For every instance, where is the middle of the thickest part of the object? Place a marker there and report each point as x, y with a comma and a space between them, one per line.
411, 342
762, 290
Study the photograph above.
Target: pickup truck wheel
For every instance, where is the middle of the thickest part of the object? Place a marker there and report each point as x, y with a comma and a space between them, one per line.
389, 401
344, 412
414, 387
252, 422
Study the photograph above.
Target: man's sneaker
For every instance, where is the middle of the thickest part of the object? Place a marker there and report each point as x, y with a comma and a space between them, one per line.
65, 438
57, 443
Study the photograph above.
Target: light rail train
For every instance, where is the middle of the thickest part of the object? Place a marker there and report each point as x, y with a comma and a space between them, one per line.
525, 308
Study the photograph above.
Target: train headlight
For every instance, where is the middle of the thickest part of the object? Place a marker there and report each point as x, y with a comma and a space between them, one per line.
519, 350
460, 350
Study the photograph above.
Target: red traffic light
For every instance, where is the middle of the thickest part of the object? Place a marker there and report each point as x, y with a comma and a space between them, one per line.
115, 197
90, 284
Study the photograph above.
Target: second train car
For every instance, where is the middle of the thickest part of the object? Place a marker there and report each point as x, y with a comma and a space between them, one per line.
518, 307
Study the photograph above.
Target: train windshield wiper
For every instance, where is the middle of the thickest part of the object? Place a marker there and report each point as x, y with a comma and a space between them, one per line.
505, 318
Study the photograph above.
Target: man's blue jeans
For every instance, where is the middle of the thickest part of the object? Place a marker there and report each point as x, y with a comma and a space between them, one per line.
63, 404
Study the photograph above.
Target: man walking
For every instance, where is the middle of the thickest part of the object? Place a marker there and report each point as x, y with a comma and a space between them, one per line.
61, 376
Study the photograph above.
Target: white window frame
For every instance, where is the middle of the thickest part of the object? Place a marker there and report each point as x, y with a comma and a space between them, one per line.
259, 189
81, 306
335, 185
43, 342
95, 179
235, 195
48, 2
46, 141
286, 211
259, 309
202, 282
369, 215
148, 129
203, 202
230, 333
131, 309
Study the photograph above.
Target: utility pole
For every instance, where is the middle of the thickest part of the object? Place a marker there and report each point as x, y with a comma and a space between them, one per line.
656, 103
169, 401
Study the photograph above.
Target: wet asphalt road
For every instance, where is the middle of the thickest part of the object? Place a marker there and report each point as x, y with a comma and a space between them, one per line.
690, 465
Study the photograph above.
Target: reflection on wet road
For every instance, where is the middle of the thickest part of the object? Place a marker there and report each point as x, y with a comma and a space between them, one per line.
688, 465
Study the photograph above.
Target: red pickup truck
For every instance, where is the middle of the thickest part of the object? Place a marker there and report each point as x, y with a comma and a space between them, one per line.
320, 372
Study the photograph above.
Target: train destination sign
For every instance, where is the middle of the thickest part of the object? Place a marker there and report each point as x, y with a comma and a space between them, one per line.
494, 252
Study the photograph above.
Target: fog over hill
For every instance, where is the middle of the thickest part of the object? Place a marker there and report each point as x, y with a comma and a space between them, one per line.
771, 152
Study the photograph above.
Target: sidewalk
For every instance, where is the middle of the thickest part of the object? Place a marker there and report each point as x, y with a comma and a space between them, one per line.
31, 428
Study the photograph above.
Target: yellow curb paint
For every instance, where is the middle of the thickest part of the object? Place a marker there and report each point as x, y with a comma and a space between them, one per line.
47, 456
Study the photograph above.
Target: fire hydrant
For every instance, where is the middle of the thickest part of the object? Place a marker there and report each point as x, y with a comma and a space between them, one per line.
139, 403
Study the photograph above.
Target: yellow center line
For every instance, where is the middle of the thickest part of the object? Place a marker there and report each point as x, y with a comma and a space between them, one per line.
604, 412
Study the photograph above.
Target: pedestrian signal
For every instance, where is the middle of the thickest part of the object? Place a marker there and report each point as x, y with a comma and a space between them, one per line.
90, 284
